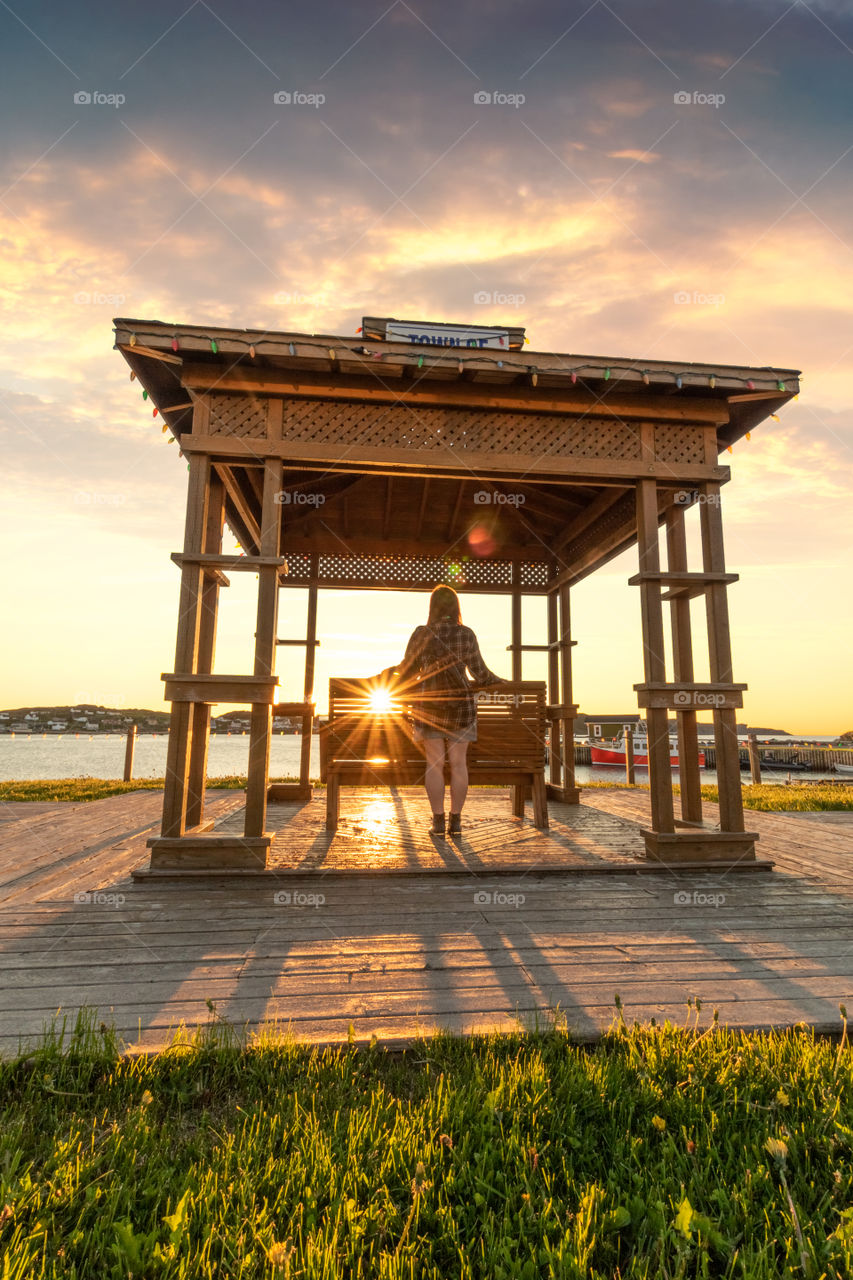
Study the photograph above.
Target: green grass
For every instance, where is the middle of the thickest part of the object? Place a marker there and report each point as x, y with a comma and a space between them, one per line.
661, 1152
809, 797
98, 788
771, 798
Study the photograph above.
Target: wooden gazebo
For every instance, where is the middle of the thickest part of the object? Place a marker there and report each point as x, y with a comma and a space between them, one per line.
579, 457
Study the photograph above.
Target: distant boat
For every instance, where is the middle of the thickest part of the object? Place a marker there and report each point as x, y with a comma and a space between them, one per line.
613, 752
844, 768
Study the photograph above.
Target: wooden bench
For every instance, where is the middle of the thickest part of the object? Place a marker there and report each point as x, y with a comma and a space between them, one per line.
363, 747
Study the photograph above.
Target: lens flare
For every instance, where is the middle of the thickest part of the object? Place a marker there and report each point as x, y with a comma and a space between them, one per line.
380, 700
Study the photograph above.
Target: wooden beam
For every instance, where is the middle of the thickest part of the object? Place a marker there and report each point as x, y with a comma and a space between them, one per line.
593, 512
450, 462
682, 662
251, 536
660, 774
617, 404
260, 726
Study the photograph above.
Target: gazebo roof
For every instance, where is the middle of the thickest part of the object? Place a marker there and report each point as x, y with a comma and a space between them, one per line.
402, 518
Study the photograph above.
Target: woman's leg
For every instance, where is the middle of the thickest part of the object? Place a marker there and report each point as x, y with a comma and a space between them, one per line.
457, 754
434, 775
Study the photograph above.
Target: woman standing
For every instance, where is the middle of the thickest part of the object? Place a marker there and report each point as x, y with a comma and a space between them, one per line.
434, 674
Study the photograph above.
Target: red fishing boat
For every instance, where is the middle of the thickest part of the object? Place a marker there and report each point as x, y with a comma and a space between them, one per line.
612, 751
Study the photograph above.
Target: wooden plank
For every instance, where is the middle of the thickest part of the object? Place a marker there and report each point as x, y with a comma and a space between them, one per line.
265, 633
455, 463
621, 406
682, 655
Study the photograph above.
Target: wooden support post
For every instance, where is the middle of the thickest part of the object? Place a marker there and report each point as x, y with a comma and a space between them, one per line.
720, 650
200, 716
265, 633
570, 791
630, 775
660, 778
516, 621
186, 650
128, 753
308, 687
754, 758
682, 660
555, 738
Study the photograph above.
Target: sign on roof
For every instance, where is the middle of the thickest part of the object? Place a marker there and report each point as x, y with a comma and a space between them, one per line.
432, 334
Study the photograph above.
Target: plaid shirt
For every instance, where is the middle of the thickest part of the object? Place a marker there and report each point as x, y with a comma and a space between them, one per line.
433, 676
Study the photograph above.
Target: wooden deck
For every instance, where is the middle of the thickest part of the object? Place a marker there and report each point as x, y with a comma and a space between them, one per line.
506, 927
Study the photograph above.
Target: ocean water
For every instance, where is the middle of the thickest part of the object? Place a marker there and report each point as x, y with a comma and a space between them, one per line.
65, 755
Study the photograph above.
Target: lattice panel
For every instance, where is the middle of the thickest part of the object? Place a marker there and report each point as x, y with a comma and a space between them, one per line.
240, 416
534, 574
403, 427
417, 572
679, 444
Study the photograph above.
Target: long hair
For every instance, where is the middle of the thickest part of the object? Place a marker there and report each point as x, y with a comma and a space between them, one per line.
444, 603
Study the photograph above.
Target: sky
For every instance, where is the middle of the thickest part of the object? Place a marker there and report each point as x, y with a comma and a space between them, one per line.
582, 165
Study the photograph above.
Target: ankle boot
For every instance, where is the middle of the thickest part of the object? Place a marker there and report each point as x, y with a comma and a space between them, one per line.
455, 828
437, 828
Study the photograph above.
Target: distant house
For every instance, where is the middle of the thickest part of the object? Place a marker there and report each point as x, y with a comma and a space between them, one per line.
21, 727
31, 715
603, 726
57, 726
91, 724
4, 715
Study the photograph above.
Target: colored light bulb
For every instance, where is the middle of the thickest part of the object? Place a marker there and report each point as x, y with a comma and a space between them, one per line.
646, 376
750, 385
712, 382
213, 346
251, 351
291, 348
174, 344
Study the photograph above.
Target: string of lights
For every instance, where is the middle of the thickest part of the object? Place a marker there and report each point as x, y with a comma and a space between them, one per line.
585, 372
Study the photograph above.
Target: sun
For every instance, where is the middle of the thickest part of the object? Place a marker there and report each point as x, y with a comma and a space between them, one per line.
380, 700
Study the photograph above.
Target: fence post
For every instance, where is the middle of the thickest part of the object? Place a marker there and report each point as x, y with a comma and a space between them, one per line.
628, 730
754, 757
128, 753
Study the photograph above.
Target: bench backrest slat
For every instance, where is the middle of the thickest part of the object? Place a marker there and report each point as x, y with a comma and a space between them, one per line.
511, 726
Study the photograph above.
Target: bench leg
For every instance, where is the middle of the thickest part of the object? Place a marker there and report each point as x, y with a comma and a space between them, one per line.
333, 801
518, 801
540, 801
